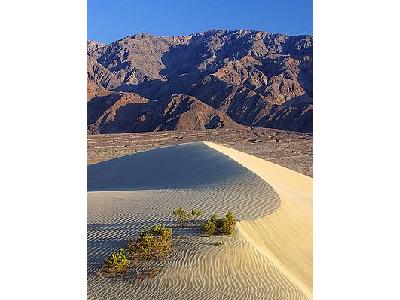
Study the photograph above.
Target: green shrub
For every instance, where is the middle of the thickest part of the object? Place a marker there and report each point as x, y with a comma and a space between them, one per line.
196, 213
184, 217
228, 224
209, 228
229, 216
143, 245
181, 215
214, 218
215, 225
219, 223
117, 261
162, 231
156, 229
154, 243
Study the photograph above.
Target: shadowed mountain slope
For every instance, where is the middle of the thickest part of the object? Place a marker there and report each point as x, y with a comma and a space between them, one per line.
213, 79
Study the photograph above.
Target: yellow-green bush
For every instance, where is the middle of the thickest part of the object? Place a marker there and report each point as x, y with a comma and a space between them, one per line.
117, 261
184, 217
215, 225
209, 228
154, 243
181, 215
228, 224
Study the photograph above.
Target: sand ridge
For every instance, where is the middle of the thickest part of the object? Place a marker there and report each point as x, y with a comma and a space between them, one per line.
285, 236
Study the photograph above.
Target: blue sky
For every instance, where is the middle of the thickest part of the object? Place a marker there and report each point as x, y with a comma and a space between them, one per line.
109, 20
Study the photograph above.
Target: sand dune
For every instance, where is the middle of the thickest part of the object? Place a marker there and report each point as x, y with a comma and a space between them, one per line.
258, 262
178, 167
286, 235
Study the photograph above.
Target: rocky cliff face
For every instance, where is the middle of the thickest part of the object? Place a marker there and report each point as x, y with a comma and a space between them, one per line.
213, 79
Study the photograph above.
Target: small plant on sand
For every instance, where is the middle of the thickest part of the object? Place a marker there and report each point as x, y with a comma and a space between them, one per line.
117, 262
215, 225
214, 218
196, 214
161, 230
154, 243
228, 225
209, 227
181, 215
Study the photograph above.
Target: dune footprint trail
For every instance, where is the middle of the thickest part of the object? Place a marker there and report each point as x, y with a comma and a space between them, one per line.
139, 190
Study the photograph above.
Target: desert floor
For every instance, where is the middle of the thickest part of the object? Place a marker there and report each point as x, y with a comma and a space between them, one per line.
290, 149
269, 256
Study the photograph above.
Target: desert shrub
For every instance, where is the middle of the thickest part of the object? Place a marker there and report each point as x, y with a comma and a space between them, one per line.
228, 224
143, 245
162, 231
219, 223
215, 225
214, 218
117, 261
196, 214
154, 243
151, 244
209, 228
157, 229
184, 217
181, 215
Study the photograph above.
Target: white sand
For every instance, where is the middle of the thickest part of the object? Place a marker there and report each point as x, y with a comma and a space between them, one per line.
258, 262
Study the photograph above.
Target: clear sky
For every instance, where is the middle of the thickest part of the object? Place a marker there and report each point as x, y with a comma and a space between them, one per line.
110, 20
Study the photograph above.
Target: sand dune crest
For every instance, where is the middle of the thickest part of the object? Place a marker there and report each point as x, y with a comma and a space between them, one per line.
285, 236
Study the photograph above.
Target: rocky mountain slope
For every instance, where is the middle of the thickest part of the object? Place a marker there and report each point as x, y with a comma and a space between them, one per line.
215, 79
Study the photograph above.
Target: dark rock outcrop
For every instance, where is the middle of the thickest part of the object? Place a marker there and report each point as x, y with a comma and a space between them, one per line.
207, 80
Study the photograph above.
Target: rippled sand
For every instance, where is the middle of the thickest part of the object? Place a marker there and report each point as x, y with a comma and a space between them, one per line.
139, 190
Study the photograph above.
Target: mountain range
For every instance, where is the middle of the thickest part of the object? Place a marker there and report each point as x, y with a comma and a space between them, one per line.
214, 79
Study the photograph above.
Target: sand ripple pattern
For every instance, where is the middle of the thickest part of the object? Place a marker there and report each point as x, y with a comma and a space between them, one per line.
202, 271
197, 270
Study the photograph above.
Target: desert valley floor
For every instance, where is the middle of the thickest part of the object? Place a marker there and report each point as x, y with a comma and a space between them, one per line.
268, 257
289, 149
